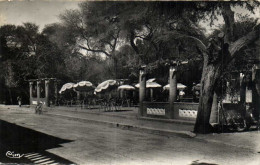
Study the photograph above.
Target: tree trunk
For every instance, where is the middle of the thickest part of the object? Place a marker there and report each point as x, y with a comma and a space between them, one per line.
212, 63
115, 67
242, 91
209, 76
256, 102
256, 91
214, 109
10, 96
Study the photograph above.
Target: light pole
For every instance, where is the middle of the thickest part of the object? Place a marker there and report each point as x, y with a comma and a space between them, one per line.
142, 88
173, 84
256, 89
173, 87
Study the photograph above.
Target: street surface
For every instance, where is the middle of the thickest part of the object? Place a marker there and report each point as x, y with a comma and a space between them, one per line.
56, 140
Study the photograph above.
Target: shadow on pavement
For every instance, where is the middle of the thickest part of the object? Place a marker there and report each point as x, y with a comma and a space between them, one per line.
119, 111
20, 140
226, 129
196, 162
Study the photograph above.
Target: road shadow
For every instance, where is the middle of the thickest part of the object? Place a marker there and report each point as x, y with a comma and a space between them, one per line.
20, 140
118, 111
226, 129
196, 162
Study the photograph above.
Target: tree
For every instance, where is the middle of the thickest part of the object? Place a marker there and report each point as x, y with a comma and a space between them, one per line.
183, 23
158, 31
93, 30
17, 43
27, 54
77, 65
220, 50
217, 55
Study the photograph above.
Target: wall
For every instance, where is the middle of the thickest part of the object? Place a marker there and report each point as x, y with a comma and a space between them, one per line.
182, 110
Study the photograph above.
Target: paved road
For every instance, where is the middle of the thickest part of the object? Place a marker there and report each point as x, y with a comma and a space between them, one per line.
86, 143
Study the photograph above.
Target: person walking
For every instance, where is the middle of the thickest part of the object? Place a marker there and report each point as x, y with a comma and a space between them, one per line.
19, 100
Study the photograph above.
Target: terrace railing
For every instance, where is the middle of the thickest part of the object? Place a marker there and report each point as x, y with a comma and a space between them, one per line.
181, 110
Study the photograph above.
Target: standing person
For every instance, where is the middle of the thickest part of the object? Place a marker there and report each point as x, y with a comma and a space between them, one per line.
197, 94
19, 99
181, 94
193, 92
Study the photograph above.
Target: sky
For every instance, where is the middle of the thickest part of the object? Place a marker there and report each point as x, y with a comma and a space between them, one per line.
40, 12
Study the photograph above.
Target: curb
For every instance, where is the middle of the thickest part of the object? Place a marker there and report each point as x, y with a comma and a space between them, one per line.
19, 109
96, 113
164, 132
183, 122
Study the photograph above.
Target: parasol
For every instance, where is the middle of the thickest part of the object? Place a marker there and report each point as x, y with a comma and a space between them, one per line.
150, 80
150, 85
66, 87
105, 85
179, 86
197, 87
83, 86
126, 87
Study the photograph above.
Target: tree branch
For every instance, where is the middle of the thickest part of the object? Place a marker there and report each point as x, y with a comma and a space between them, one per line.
201, 47
229, 19
132, 37
110, 44
115, 40
93, 50
243, 41
200, 43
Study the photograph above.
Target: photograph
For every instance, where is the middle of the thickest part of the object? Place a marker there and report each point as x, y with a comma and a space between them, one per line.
138, 82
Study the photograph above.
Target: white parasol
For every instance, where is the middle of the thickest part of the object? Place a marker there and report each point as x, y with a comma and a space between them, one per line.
105, 85
66, 87
83, 86
150, 85
197, 86
179, 86
150, 80
126, 87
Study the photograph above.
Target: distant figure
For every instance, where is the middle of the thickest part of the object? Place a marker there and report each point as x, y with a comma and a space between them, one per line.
19, 100
181, 94
197, 94
38, 108
194, 91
